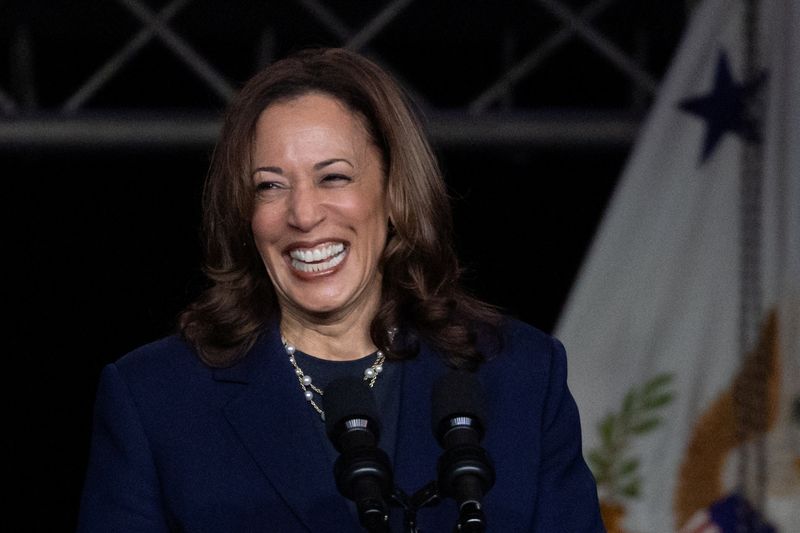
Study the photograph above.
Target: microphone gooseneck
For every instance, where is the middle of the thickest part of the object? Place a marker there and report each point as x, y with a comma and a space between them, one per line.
362, 470
465, 470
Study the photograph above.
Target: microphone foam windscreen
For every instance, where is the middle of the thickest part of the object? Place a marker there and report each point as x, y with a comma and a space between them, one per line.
347, 398
457, 393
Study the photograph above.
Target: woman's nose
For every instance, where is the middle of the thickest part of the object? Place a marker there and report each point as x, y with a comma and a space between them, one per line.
305, 208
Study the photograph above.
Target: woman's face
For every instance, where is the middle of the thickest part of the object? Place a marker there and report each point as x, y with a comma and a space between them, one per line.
320, 217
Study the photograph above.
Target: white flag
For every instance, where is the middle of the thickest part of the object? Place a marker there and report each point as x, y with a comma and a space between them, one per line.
659, 292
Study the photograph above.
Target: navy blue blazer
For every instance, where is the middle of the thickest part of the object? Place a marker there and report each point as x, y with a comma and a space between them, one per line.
179, 446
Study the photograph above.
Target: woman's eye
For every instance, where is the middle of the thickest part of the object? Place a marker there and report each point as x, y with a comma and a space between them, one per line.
336, 178
266, 186
267, 190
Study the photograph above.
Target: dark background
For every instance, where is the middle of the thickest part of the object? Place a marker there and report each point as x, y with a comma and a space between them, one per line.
104, 247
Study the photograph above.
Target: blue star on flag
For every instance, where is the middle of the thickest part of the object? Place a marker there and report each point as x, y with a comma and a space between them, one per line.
726, 108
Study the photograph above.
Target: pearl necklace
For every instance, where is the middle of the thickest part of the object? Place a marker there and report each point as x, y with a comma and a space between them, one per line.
307, 383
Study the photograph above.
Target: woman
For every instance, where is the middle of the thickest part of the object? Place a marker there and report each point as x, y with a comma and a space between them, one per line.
329, 252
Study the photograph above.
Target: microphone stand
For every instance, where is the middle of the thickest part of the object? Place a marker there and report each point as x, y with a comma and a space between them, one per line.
471, 518
426, 496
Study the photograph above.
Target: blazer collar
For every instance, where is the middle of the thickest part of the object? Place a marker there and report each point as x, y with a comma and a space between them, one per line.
416, 449
276, 425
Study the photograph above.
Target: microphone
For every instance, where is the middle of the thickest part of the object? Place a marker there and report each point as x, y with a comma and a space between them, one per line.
465, 470
362, 470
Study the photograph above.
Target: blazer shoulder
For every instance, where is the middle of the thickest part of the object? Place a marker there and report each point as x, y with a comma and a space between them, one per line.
525, 351
516, 330
163, 357
521, 337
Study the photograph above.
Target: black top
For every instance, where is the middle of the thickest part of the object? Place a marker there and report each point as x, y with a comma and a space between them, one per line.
387, 397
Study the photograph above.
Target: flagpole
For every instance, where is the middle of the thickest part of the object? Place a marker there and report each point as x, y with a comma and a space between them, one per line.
751, 394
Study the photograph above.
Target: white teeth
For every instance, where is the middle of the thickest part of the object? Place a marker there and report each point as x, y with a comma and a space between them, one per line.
318, 259
318, 267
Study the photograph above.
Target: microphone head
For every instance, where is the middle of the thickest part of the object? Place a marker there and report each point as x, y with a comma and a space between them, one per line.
458, 399
362, 471
350, 407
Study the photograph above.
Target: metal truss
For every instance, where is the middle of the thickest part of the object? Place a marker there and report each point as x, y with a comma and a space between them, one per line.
490, 116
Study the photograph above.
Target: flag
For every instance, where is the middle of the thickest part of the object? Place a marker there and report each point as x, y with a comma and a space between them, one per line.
732, 514
653, 321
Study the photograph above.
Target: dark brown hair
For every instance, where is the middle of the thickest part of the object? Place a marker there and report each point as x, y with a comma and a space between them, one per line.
421, 294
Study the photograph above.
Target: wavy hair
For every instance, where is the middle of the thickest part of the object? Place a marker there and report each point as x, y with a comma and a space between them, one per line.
421, 293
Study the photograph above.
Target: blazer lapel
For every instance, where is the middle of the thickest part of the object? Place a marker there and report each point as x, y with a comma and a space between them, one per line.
417, 451
276, 425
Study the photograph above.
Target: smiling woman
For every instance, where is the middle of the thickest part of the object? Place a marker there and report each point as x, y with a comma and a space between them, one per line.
330, 257
320, 219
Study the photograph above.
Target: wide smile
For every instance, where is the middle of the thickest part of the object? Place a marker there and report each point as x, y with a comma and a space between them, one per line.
320, 258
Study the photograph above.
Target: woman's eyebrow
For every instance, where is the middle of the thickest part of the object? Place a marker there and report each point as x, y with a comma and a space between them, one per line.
323, 164
276, 170
318, 166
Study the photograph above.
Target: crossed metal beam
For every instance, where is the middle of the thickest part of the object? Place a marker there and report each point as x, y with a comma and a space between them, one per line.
533, 59
595, 39
155, 26
574, 25
353, 40
359, 40
107, 71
